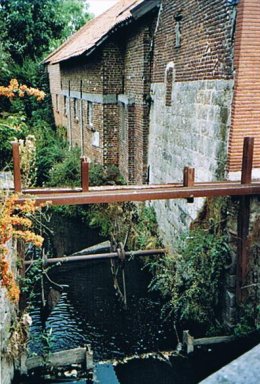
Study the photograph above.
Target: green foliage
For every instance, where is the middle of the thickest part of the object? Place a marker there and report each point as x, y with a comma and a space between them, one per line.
108, 175
11, 127
35, 27
133, 225
249, 318
66, 172
32, 278
191, 277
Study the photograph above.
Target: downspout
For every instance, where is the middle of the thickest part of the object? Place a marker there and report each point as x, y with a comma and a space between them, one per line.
81, 122
69, 112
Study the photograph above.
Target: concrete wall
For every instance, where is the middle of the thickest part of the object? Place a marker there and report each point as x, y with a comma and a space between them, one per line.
193, 132
7, 316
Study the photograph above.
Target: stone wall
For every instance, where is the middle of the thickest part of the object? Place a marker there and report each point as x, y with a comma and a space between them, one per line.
7, 316
193, 132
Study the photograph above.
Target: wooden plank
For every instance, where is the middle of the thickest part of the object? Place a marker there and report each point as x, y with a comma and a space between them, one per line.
213, 340
58, 359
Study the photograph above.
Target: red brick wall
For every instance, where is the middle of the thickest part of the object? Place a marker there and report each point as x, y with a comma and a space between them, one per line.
246, 101
55, 89
122, 66
206, 46
137, 80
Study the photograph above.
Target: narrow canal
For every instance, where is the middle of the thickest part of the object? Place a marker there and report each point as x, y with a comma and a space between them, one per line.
90, 312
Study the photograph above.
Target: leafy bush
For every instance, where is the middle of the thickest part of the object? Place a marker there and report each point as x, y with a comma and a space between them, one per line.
66, 172
11, 127
191, 278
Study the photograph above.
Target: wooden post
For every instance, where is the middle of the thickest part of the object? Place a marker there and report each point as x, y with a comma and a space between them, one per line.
84, 174
89, 358
188, 180
17, 168
188, 341
244, 218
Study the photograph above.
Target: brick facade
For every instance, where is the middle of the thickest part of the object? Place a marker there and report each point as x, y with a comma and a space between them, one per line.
116, 81
246, 102
200, 44
205, 50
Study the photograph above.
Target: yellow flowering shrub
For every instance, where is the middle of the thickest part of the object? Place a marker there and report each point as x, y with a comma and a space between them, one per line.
20, 90
15, 223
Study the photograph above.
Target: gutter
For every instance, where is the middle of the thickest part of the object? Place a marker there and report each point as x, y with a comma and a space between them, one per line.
145, 7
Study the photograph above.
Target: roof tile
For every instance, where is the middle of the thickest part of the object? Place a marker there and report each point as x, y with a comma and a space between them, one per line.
93, 32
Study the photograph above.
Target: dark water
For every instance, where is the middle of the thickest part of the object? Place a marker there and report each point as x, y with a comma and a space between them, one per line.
89, 312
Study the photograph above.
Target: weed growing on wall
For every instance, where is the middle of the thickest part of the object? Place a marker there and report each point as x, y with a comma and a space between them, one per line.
191, 277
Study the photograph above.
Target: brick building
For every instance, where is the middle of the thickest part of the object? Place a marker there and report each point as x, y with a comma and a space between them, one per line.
100, 86
163, 84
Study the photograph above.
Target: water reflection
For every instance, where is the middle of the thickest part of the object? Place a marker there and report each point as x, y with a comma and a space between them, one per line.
90, 313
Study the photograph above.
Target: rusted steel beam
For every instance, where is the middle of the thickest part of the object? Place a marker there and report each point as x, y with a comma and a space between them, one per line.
247, 161
243, 245
244, 218
188, 180
143, 194
84, 174
100, 256
65, 190
17, 167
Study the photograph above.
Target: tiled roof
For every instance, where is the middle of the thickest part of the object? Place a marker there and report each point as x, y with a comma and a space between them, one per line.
94, 32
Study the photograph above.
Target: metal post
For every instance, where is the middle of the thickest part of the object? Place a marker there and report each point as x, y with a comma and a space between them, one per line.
244, 218
84, 174
247, 162
17, 168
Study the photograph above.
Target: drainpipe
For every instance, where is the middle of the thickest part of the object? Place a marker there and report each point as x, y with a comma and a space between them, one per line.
69, 113
81, 122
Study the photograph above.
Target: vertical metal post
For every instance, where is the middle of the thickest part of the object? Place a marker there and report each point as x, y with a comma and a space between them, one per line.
81, 121
69, 113
84, 174
188, 180
247, 162
17, 168
244, 218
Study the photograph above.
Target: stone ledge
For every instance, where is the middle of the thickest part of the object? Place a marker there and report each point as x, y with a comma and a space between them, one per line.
243, 370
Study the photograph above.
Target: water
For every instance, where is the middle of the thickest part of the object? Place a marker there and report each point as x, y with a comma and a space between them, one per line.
89, 312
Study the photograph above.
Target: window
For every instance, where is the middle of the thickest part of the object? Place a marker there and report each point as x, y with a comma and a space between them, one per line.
95, 139
178, 18
90, 114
